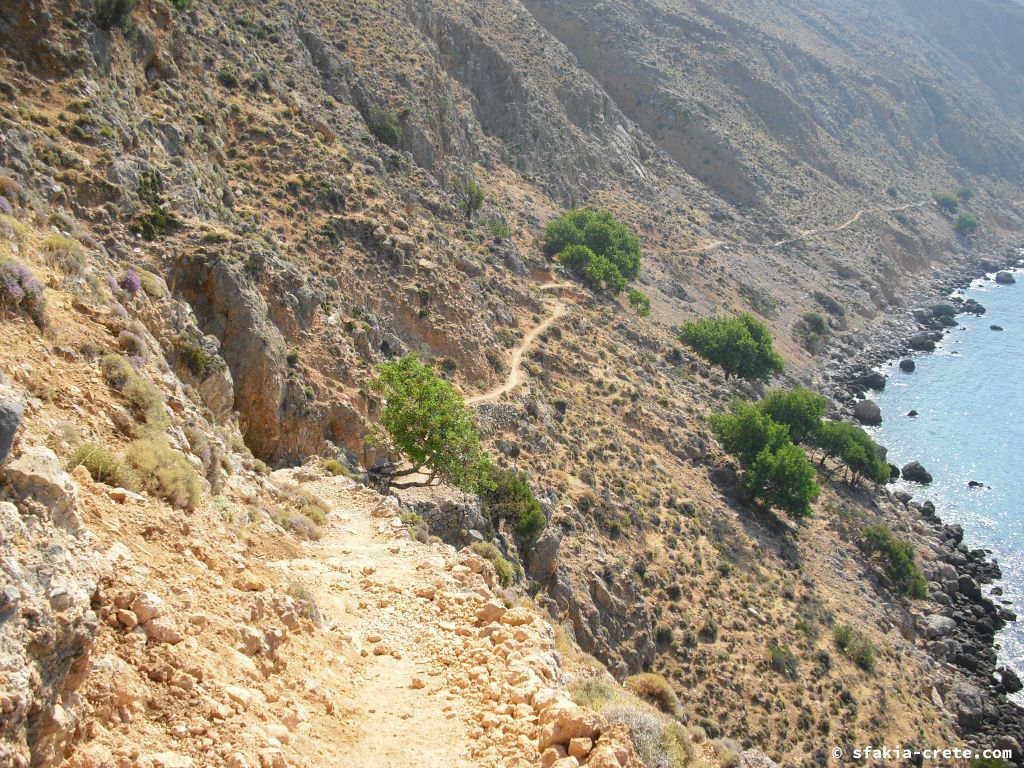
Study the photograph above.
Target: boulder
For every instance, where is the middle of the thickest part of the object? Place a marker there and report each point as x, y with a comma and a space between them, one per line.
867, 412
922, 342
938, 626
1011, 681
908, 365
995, 327
943, 310
1005, 278
871, 380
37, 474
11, 411
915, 473
543, 559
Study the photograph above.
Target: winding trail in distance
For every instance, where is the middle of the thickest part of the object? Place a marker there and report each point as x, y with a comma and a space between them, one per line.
515, 374
847, 224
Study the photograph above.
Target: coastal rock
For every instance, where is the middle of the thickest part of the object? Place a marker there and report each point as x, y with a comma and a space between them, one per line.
871, 380
867, 412
938, 626
995, 327
915, 473
922, 342
907, 366
1011, 682
943, 310
1005, 278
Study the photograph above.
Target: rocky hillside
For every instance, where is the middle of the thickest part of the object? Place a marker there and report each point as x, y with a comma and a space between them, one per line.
233, 212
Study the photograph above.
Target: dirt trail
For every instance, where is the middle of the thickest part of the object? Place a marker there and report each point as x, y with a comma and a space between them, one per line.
363, 576
515, 375
803, 234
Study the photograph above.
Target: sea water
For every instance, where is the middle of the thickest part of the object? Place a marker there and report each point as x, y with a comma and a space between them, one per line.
969, 395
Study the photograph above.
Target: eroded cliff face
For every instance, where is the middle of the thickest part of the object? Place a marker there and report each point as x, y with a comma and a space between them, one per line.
771, 157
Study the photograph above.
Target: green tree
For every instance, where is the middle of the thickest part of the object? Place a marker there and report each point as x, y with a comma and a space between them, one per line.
428, 422
854, 447
385, 128
471, 198
639, 301
897, 558
741, 346
745, 432
783, 479
800, 410
508, 496
602, 233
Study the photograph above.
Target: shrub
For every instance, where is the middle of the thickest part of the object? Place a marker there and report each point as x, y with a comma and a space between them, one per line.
811, 331
117, 371
20, 290
427, 420
112, 13
741, 346
193, 355
131, 343
856, 645
146, 401
964, 194
152, 285
164, 471
471, 197
104, 466
947, 201
898, 560
131, 282
305, 602
383, 124
504, 570
639, 301
156, 223
783, 660
334, 468
745, 431
799, 410
967, 224
65, 254
656, 690
500, 230
784, 479
508, 496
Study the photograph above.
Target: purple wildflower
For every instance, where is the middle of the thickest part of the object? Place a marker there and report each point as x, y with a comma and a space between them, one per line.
5, 206
131, 281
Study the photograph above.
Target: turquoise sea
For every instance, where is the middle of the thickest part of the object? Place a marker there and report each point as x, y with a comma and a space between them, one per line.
969, 395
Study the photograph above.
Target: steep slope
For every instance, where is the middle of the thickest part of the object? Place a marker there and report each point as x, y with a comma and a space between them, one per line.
292, 169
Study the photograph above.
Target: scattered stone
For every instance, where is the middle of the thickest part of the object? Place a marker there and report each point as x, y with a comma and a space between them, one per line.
915, 473
991, 327
170, 760
162, 630
912, 414
417, 683
1005, 278
868, 413
938, 626
148, 606
908, 366
490, 611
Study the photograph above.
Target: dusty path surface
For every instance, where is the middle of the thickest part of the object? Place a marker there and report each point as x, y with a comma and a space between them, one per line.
515, 374
848, 223
429, 688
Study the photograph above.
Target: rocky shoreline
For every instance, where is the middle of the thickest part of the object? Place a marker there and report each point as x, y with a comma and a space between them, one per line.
961, 634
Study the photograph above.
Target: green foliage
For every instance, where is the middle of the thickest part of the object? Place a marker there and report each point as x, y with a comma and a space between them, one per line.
427, 420
967, 224
104, 466
784, 479
500, 230
854, 447
506, 573
639, 301
799, 410
507, 495
164, 471
193, 355
64, 253
947, 201
741, 346
156, 223
856, 645
898, 559
783, 660
384, 126
471, 197
745, 431
604, 251
964, 194
152, 285
112, 13
811, 331
989, 762
333, 467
